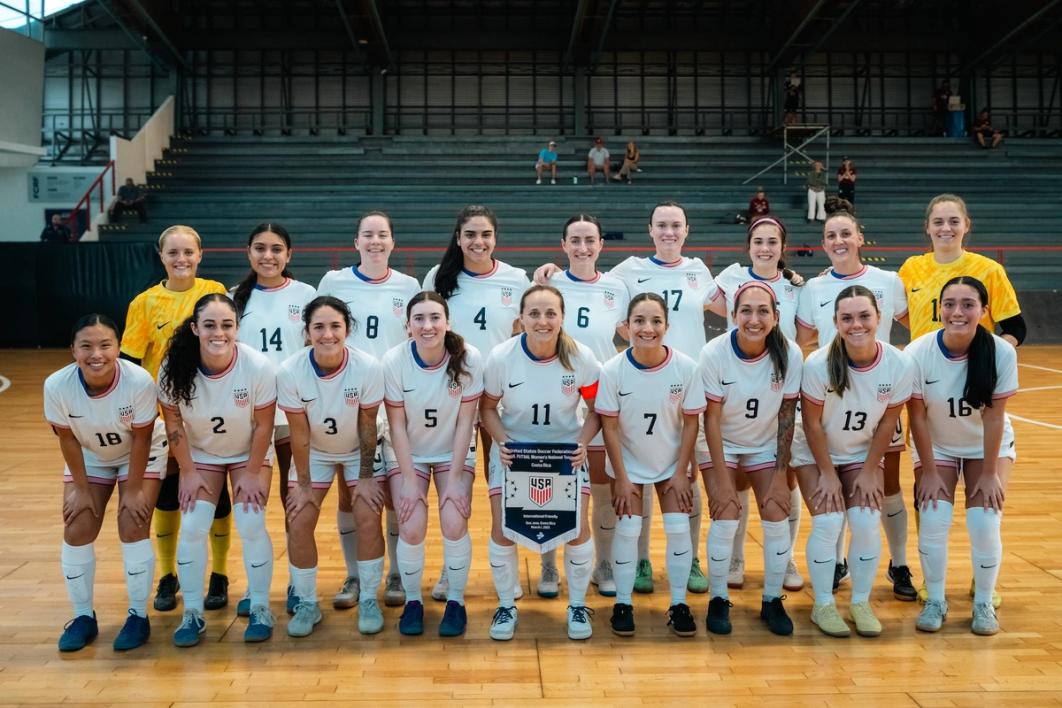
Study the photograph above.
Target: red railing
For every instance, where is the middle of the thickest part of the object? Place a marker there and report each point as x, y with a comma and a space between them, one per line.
71, 219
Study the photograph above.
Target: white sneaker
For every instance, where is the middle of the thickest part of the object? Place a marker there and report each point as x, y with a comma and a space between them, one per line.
553, 181
793, 579
347, 596
518, 591
602, 578
503, 626
736, 577
549, 582
370, 618
394, 594
579, 626
538, 181
441, 589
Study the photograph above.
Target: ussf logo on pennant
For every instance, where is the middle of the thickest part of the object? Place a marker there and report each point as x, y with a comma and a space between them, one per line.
540, 489
568, 384
294, 312
241, 397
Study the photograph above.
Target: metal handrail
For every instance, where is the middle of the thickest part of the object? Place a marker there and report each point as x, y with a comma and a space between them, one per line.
87, 198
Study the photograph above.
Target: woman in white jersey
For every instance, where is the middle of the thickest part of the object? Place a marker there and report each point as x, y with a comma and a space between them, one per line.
433, 386
751, 379
852, 392
270, 301
765, 240
103, 410
649, 399
218, 398
842, 238
331, 393
533, 384
963, 378
377, 296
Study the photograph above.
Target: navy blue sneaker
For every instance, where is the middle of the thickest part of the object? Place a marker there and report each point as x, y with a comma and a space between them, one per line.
78, 633
190, 630
293, 601
260, 628
411, 623
454, 620
243, 607
134, 632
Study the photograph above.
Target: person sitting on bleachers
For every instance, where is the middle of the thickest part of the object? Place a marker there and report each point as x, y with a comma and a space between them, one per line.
129, 198
986, 136
597, 159
547, 160
56, 232
758, 205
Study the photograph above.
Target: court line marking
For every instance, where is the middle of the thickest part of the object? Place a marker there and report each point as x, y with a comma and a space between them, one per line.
1041, 368
1038, 388
5, 383
1035, 422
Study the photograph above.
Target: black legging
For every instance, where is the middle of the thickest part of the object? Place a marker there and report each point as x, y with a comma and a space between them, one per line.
168, 500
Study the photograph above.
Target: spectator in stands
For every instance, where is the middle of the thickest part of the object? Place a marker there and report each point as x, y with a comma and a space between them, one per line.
846, 180
597, 159
56, 232
758, 205
793, 89
129, 198
630, 163
986, 136
547, 160
940, 109
817, 193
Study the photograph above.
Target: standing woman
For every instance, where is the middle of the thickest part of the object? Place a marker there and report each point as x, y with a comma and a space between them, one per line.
842, 237
649, 399
377, 297
533, 385
331, 393
104, 411
150, 322
270, 303
751, 379
218, 399
963, 378
852, 391
846, 180
433, 386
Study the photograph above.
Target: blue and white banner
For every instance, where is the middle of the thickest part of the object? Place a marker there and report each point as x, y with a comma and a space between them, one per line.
540, 504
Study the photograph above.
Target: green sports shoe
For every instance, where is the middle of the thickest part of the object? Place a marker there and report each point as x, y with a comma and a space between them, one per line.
643, 577
697, 582
997, 599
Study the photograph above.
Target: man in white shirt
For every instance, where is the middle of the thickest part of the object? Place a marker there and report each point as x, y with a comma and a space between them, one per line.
597, 159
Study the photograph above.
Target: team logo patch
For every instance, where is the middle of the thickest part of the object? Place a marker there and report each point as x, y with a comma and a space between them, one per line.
125, 414
691, 280
507, 296
883, 392
398, 306
540, 489
676, 393
350, 397
568, 384
610, 300
790, 291
241, 397
454, 390
776, 381
294, 312
879, 294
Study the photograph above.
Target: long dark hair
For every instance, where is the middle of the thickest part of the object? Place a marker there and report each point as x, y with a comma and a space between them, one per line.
775, 341
566, 346
784, 235
91, 320
981, 374
453, 342
453, 259
837, 357
647, 297
242, 293
177, 378
327, 301
578, 218
669, 203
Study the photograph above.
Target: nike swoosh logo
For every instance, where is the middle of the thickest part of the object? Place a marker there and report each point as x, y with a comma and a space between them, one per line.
868, 559
607, 528
346, 533
623, 562
824, 304
986, 567
185, 563
914, 290
450, 567
131, 573
75, 416
642, 280
161, 325
497, 566
259, 565
221, 535
393, 535
895, 513
781, 553
727, 383
716, 560
407, 390
307, 400
687, 551
626, 394
930, 383
514, 385
413, 573
163, 535
922, 553
585, 562
74, 577
821, 562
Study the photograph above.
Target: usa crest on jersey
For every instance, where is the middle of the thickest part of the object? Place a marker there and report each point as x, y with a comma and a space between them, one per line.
610, 300
350, 397
879, 294
776, 381
691, 279
883, 392
125, 414
454, 389
568, 384
506, 296
241, 397
789, 290
294, 312
398, 305
676, 393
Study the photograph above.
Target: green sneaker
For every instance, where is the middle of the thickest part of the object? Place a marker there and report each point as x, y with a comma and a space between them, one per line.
997, 599
697, 582
643, 577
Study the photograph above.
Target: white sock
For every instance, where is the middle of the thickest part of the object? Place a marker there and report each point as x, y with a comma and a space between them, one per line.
776, 550
679, 553
864, 550
503, 561
411, 567
625, 556
549, 558
192, 553
986, 550
720, 546
138, 558
647, 522
695, 518
603, 522
392, 542
934, 525
894, 519
578, 564
796, 506
304, 582
821, 553
79, 569
370, 572
738, 551
257, 553
457, 557
348, 539
841, 539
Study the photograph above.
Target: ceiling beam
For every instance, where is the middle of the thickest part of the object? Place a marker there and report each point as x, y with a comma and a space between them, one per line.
74, 40
145, 17
1011, 41
603, 34
358, 53
577, 28
377, 25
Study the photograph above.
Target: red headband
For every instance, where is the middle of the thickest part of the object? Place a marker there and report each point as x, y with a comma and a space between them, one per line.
768, 220
749, 285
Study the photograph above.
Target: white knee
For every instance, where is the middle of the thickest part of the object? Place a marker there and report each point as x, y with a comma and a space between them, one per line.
827, 527
630, 527
676, 523
250, 523
195, 524
983, 526
865, 523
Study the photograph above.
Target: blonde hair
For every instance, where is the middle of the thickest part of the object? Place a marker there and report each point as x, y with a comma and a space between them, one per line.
954, 198
180, 229
566, 346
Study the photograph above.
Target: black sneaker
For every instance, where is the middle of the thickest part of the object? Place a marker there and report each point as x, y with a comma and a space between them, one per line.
840, 574
773, 613
680, 619
166, 593
902, 587
622, 620
719, 615
217, 592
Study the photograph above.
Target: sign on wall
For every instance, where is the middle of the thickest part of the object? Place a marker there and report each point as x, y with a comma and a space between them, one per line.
50, 186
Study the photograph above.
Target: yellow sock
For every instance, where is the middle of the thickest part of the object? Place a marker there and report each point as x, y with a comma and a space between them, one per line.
167, 526
220, 540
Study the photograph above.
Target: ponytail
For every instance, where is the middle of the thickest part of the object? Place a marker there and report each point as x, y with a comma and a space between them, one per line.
177, 378
778, 348
981, 374
242, 293
455, 347
453, 259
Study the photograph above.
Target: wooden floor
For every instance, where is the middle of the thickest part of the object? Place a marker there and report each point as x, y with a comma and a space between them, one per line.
1021, 665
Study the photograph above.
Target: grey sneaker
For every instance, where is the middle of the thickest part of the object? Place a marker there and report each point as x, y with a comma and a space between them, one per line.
984, 619
736, 577
307, 614
793, 579
549, 582
394, 595
932, 616
441, 589
347, 596
602, 578
370, 618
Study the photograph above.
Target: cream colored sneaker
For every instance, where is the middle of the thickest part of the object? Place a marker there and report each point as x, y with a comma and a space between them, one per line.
866, 623
828, 619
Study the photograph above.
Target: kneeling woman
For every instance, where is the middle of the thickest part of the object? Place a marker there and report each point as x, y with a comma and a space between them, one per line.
751, 378
218, 399
331, 393
538, 379
104, 412
964, 374
853, 390
649, 399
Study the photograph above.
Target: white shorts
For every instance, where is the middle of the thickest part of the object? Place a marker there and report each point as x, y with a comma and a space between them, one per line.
636, 478
322, 472
112, 474
747, 461
497, 475
802, 457
598, 443
942, 459
425, 470
281, 435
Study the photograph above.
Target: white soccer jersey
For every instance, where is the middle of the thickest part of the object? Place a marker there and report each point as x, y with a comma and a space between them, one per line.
539, 398
332, 401
750, 391
378, 306
593, 309
271, 323
430, 399
484, 307
939, 379
815, 309
218, 420
850, 421
650, 404
786, 295
103, 423
686, 286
